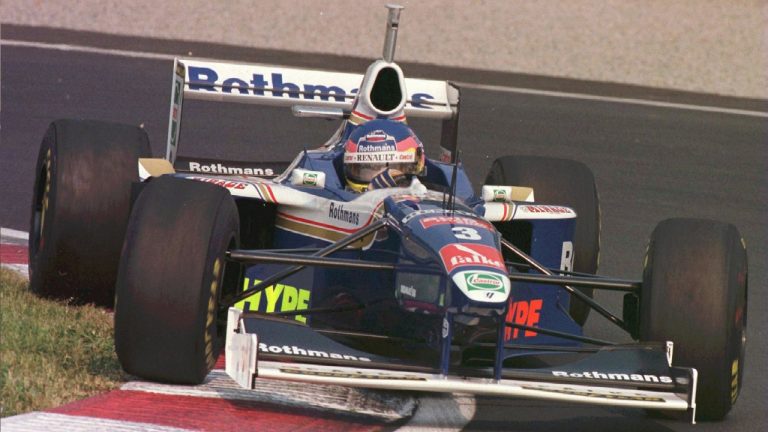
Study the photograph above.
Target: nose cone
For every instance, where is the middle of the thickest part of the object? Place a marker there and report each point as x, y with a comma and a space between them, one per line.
483, 285
478, 270
466, 246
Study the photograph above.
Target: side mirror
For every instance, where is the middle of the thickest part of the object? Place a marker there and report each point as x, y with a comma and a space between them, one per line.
496, 193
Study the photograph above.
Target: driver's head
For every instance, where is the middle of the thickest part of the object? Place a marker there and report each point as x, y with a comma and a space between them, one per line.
379, 145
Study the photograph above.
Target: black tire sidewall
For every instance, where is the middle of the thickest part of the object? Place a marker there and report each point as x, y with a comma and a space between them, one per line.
695, 294
93, 165
178, 230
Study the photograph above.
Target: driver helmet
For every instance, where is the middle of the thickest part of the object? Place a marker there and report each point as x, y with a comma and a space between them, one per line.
380, 145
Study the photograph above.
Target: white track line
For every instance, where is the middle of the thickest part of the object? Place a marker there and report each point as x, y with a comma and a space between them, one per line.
42, 421
13, 234
22, 269
90, 50
631, 101
519, 90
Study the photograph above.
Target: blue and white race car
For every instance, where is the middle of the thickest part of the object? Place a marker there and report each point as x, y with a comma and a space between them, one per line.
365, 263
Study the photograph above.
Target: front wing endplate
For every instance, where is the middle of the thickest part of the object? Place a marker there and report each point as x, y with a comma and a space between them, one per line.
243, 366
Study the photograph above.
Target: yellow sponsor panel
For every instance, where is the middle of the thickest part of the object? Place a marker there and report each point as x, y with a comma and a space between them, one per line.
276, 298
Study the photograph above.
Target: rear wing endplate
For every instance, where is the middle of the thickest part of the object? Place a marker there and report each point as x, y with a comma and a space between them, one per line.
286, 87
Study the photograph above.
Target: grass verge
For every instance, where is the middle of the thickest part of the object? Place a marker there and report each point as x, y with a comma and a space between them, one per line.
51, 353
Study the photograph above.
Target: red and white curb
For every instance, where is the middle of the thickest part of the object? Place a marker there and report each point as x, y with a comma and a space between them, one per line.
219, 404
40, 421
13, 250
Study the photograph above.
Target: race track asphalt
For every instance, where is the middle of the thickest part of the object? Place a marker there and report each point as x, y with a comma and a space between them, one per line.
650, 163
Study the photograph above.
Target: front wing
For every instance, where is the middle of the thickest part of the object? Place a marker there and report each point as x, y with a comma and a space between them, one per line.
307, 356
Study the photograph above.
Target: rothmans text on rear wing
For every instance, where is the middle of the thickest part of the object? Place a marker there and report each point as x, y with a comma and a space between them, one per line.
288, 87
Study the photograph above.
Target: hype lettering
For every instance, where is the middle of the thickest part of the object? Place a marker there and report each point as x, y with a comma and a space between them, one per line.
524, 313
276, 298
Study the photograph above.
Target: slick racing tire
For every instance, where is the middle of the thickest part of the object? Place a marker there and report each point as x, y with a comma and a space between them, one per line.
694, 294
168, 324
562, 182
80, 207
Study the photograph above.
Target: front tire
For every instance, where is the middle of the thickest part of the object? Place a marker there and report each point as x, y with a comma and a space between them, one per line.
80, 207
694, 294
563, 182
168, 324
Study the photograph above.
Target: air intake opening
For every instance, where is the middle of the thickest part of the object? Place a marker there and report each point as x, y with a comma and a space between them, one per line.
386, 94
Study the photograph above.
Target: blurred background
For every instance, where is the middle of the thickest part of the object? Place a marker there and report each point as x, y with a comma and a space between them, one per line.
709, 46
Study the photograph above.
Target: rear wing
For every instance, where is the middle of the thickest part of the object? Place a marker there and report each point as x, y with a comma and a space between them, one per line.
287, 87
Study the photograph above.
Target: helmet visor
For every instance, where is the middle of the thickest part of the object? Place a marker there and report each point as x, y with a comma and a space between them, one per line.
363, 167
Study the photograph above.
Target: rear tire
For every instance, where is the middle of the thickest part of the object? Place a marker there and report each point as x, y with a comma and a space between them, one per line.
695, 294
80, 207
564, 182
168, 325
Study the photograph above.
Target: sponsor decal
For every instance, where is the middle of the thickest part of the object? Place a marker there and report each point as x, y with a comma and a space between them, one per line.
457, 255
566, 256
523, 312
336, 373
323, 229
207, 79
310, 179
596, 394
641, 378
418, 290
262, 82
377, 141
276, 298
548, 209
339, 213
379, 157
483, 286
408, 290
229, 184
174, 127
502, 194
304, 352
499, 195
431, 221
477, 281
218, 168
302, 177
416, 213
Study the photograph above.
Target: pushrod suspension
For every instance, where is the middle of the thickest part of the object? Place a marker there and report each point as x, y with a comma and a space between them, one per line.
574, 292
341, 244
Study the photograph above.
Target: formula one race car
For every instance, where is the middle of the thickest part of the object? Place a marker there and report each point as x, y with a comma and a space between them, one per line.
364, 263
